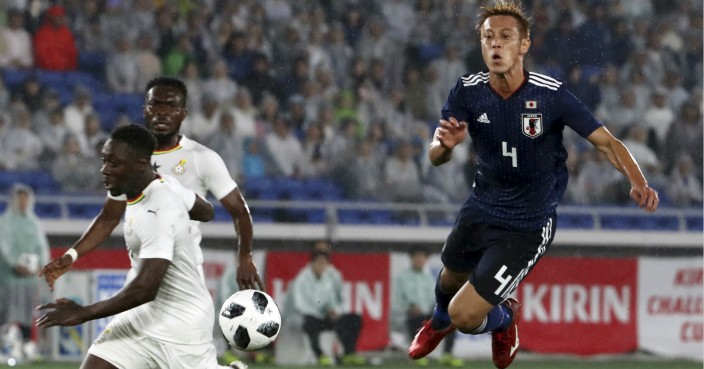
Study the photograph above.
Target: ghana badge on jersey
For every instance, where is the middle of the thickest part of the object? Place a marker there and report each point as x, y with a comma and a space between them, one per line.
179, 168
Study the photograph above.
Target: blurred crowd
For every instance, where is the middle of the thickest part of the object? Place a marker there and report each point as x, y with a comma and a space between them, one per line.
352, 90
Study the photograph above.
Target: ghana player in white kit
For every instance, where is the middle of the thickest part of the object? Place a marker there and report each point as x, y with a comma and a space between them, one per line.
195, 166
164, 313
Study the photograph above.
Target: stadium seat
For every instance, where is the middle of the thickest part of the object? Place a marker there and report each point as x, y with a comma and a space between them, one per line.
47, 210
695, 223
351, 216
83, 211
14, 78
575, 221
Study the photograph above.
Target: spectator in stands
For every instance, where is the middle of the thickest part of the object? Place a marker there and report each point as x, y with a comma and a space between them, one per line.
618, 117
364, 182
320, 281
595, 181
166, 30
122, 69
4, 128
22, 146
4, 95
178, 57
313, 163
76, 112
238, 57
256, 162
199, 35
201, 125
340, 53
31, 93
92, 135
686, 135
54, 44
53, 137
75, 171
23, 249
244, 112
260, 80
228, 141
15, 43
220, 84
658, 116
685, 187
413, 301
148, 63
285, 149
194, 83
49, 102
676, 94
401, 175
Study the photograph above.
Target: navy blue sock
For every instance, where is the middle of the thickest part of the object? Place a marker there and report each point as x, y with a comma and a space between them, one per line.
499, 318
441, 318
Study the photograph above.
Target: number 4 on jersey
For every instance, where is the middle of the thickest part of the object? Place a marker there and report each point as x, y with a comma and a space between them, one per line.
512, 153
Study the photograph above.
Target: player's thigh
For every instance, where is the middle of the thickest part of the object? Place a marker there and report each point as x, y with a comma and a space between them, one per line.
464, 246
176, 356
124, 348
509, 257
94, 362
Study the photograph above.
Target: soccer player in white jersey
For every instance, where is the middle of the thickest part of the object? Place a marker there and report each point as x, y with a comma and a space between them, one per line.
164, 312
195, 166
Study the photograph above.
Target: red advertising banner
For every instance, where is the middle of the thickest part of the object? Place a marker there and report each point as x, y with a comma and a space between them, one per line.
581, 306
97, 259
366, 280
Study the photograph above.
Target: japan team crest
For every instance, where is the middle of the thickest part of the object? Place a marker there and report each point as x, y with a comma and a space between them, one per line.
179, 168
532, 125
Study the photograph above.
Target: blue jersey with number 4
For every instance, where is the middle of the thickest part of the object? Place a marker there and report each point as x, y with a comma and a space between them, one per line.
521, 173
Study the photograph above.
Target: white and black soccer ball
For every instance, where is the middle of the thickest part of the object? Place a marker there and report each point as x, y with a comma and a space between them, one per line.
250, 320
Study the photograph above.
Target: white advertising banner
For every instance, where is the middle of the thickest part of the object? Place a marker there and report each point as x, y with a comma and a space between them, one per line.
670, 320
71, 343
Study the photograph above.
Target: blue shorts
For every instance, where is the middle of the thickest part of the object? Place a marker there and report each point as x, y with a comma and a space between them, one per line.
497, 259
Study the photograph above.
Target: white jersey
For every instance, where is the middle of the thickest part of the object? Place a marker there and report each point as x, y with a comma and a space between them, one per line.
157, 226
197, 168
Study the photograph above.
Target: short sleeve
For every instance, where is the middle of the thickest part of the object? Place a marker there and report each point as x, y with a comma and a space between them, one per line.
575, 114
214, 174
455, 105
189, 198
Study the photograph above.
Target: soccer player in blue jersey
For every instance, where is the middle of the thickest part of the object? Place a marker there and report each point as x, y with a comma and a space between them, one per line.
515, 119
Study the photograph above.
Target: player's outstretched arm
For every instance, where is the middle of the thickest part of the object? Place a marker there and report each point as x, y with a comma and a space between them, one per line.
142, 289
621, 159
202, 210
247, 275
449, 134
98, 231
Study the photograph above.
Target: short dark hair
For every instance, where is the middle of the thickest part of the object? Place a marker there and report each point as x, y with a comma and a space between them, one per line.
138, 138
169, 82
505, 7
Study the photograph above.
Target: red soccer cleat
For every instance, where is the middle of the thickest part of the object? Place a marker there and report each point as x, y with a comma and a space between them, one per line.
427, 339
504, 344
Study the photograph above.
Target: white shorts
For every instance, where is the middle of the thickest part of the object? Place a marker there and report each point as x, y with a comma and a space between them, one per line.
127, 348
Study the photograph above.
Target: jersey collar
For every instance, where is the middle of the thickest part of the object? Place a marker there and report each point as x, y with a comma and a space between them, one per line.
169, 150
514, 93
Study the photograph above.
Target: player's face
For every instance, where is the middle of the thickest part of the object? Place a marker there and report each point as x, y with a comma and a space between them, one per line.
119, 167
503, 46
164, 110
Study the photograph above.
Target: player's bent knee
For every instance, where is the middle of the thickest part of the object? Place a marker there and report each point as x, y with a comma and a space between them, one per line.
464, 318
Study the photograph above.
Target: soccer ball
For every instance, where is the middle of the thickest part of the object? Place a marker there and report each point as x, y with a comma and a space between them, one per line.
249, 320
